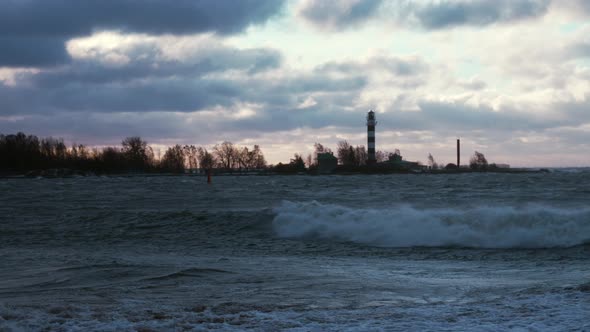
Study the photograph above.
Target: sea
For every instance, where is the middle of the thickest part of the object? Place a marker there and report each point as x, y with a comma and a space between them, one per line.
401, 252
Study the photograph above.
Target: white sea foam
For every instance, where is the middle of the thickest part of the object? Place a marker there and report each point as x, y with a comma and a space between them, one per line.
532, 226
537, 312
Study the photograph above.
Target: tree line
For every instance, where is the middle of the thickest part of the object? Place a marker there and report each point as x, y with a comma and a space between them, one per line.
477, 162
21, 153
349, 157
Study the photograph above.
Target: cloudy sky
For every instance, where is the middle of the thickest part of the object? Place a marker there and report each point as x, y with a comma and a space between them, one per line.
511, 78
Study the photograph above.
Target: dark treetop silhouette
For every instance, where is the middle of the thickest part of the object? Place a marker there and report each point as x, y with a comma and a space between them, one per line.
21, 153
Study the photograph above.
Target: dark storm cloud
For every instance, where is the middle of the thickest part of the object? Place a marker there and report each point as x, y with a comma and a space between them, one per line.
578, 7
446, 14
93, 88
341, 110
81, 17
88, 102
337, 110
171, 95
150, 64
393, 65
89, 99
155, 126
36, 51
435, 115
33, 32
473, 84
462, 116
578, 50
148, 82
431, 14
403, 73
90, 128
443, 117
399, 66
334, 14
156, 95
318, 83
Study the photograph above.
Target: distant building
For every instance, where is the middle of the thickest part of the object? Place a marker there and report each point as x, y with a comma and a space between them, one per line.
395, 158
451, 166
396, 161
327, 162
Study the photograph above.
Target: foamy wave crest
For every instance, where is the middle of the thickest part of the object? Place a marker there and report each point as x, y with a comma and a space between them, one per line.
405, 226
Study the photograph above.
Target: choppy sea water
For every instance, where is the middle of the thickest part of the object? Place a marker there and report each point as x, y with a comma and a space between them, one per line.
482, 252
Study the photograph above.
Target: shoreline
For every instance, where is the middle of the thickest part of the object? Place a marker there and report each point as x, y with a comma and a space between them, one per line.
50, 174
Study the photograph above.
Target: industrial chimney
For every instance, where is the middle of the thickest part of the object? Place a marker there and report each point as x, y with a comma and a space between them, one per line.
458, 153
371, 123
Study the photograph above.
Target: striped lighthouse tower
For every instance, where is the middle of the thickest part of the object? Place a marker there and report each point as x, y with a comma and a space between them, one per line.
371, 123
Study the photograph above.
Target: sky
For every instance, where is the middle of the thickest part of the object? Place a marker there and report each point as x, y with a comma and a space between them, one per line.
511, 78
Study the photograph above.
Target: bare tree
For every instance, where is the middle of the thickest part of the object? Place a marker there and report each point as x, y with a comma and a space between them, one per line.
381, 156
431, 162
309, 160
47, 148
297, 163
250, 159
343, 152
191, 156
478, 161
256, 158
319, 148
206, 159
173, 159
349, 155
243, 157
227, 154
138, 153
83, 152
361, 155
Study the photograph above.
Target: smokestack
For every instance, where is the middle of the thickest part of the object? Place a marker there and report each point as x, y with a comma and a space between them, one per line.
371, 123
458, 153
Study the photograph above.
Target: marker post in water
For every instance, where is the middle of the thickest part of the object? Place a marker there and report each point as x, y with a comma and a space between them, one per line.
209, 176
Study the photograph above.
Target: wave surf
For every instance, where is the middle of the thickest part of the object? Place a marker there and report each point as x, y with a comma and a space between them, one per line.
532, 226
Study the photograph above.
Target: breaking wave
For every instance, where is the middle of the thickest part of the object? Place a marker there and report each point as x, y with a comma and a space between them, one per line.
533, 226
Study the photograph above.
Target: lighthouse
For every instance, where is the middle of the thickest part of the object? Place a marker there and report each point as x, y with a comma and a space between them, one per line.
371, 123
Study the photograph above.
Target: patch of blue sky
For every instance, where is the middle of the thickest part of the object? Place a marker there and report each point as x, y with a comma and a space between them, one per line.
469, 68
569, 27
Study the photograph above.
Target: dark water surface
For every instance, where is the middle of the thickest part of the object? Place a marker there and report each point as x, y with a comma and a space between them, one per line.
394, 252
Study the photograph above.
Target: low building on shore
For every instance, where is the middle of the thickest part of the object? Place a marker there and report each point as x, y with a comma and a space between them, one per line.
327, 163
396, 161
